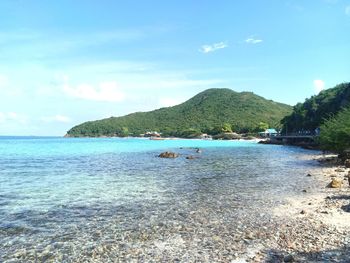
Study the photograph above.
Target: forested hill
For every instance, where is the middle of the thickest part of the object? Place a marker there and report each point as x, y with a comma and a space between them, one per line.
211, 108
316, 110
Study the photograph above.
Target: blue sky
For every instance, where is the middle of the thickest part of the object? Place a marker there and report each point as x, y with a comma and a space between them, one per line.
66, 62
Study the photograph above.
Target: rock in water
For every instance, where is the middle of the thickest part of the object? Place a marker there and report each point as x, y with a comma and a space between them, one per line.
190, 157
168, 155
336, 183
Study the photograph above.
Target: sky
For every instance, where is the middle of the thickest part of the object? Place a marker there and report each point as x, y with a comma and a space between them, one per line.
66, 62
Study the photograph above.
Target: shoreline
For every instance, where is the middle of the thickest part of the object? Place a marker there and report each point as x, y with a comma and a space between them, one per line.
313, 226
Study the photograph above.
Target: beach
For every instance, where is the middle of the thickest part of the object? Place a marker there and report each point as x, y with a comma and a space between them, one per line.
315, 225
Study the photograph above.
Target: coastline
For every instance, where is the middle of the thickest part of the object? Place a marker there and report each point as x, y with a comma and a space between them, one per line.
287, 229
313, 226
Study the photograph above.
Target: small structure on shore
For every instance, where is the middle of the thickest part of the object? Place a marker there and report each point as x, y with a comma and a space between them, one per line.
205, 136
269, 133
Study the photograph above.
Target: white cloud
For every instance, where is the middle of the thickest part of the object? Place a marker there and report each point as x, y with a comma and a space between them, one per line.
106, 91
56, 118
213, 47
347, 10
253, 40
12, 117
319, 85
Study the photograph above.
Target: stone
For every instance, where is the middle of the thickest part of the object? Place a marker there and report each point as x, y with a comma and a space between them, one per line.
303, 212
336, 183
308, 175
168, 155
288, 258
347, 163
190, 157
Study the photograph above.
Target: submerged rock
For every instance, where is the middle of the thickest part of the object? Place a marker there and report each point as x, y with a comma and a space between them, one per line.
336, 183
288, 258
168, 155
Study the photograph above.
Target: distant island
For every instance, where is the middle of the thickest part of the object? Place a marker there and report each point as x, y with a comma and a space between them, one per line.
220, 112
212, 112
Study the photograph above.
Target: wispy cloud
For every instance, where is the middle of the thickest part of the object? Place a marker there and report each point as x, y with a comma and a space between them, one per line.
347, 10
105, 91
6, 117
28, 45
213, 47
56, 118
319, 85
253, 40
3, 80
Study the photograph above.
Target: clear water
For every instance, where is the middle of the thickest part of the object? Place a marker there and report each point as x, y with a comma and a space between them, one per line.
82, 200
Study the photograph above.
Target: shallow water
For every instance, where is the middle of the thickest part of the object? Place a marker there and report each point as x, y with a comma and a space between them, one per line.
71, 200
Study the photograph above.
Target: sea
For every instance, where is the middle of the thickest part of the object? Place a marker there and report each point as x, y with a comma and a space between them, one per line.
115, 200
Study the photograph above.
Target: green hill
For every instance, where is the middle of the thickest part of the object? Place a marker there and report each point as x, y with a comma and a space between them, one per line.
203, 113
316, 110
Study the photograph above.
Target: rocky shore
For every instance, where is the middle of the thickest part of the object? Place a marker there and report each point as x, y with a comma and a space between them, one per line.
315, 225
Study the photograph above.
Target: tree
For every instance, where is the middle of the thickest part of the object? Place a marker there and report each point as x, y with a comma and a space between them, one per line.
225, 127
124, 132
335, 132
262, 126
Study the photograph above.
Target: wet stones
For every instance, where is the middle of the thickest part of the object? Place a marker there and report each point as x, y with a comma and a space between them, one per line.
336, 183
288, 258
347, 163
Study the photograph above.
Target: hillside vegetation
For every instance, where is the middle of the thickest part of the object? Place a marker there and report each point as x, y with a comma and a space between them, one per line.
209, 111
335, 132
311, 114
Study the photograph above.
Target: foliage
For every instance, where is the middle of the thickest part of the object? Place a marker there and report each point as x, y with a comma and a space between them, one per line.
335, 132
262, 126
204, 112
218, 129
189, 133
314, 111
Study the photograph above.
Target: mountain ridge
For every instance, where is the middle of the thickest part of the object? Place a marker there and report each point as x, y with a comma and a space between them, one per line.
243, 111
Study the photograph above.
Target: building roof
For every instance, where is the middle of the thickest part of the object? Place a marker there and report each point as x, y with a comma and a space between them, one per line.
271, 131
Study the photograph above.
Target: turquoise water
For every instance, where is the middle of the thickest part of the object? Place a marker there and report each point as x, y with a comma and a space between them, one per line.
80, 200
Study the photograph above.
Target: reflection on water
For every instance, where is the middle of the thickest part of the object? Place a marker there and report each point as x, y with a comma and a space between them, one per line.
131, 205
